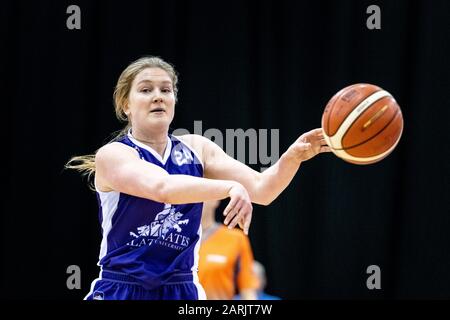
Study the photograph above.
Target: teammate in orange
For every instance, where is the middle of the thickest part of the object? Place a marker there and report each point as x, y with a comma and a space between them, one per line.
226, 260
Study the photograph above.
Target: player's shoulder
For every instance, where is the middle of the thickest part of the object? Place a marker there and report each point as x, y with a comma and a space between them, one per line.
201, 144
192, 139
195, 142
113, 149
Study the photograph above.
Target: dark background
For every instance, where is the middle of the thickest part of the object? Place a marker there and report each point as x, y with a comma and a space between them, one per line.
242, 64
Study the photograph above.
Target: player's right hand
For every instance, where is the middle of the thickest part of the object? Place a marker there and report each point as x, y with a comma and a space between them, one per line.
309, 145
239, 209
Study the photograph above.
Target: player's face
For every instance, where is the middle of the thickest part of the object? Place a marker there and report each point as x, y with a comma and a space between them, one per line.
151, 102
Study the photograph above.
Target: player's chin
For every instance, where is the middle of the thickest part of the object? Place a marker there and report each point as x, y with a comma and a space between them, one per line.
159, 121
158, 116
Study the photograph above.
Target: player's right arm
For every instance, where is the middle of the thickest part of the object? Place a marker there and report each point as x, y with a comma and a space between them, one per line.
119, 168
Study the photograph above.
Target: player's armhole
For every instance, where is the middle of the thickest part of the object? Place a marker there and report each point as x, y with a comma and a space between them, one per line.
102, 189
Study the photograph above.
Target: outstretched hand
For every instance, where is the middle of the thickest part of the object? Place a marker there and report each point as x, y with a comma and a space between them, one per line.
309, 145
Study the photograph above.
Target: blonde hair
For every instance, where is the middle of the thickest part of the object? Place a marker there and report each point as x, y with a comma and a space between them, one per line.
125, 81
86, 164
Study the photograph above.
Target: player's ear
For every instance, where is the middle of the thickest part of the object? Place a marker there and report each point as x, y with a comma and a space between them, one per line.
126, 109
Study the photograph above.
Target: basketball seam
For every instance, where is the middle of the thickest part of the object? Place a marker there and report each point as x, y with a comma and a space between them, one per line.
363, 160
329, 114
334, 104
331, 110
382, 129
339, 135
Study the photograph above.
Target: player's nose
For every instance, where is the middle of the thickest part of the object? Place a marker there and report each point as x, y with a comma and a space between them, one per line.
157, 96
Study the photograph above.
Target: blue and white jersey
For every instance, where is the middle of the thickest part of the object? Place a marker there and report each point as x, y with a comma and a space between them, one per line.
148, 240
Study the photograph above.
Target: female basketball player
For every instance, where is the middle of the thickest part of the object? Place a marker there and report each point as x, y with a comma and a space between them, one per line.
151, 186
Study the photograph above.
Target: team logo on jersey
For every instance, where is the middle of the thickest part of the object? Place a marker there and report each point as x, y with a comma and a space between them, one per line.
165, 221
164, 230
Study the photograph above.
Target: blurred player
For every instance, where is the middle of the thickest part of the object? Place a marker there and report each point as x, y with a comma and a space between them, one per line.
226, 259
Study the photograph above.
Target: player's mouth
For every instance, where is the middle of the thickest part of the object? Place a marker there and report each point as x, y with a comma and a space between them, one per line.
157, 110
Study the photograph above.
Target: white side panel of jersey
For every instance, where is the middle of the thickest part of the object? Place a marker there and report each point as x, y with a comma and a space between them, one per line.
200, 291
109, 202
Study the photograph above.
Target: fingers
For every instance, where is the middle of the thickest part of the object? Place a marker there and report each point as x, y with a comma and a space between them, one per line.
231, 207
239, 207
236, 219
238, 212
324, 146
243, 219
310, 136
318, 132
301, 146
247, 221
237, 215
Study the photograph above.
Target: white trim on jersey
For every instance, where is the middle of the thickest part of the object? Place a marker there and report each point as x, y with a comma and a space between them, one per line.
109, 202
93, 283
200, 291
167, 152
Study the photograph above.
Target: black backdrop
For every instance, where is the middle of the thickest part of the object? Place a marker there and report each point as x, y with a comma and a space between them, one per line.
242, 64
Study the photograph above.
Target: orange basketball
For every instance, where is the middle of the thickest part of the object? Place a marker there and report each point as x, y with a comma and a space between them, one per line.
362, 123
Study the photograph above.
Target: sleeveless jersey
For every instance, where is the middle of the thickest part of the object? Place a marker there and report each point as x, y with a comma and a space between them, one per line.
148, 240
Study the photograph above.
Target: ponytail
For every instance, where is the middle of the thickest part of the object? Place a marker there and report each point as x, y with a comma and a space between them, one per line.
85, 165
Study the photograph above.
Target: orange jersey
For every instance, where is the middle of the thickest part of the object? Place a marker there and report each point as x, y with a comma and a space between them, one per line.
225, 264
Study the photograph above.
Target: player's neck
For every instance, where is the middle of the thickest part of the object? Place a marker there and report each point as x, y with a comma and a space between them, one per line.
157, 143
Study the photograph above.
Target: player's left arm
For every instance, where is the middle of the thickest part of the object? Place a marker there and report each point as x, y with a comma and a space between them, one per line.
263, 187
